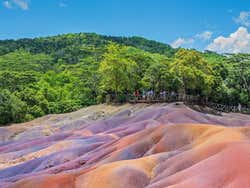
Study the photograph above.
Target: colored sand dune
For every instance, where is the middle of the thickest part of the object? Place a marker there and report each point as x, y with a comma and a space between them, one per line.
128, 146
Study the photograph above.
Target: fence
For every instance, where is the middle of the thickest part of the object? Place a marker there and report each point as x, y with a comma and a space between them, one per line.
176, 97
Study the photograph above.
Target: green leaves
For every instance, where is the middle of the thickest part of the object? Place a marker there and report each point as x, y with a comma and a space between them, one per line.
117, 71
21, 61
197, 76
158, 77
239, 77
12, 109
66, 72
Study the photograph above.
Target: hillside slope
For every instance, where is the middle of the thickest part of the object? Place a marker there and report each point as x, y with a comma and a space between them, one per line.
60, 74
130, 146
54, 44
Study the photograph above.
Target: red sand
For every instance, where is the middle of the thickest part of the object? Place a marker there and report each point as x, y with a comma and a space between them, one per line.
131, 146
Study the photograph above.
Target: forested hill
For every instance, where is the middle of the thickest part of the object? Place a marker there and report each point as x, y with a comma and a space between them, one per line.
53, 45
66, 72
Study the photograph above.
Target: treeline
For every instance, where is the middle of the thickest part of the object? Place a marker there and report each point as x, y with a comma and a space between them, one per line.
66, 72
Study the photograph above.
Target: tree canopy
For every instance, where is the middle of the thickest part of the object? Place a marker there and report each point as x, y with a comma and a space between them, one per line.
118, 72
66, 72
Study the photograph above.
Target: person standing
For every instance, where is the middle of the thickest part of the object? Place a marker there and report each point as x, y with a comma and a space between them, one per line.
239, 107
137, 94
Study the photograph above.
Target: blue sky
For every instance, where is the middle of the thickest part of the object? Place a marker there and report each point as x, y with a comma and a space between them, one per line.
219, 25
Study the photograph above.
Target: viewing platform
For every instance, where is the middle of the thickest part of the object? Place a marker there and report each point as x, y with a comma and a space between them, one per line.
189, 100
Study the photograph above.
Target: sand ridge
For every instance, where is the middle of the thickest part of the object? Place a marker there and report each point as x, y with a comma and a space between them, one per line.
128, 146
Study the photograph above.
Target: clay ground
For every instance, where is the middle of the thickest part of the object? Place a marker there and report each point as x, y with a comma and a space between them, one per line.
128, 146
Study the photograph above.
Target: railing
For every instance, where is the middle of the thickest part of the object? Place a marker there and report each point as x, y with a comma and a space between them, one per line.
168, 97
187, 99
228, 108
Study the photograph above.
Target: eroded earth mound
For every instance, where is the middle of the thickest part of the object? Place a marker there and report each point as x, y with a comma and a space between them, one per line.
128, 146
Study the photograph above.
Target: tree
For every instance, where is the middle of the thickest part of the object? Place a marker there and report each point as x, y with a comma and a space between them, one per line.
21, 61
117, 71
66, 72
17, 81
238, 78
195, 74
12, 109
158, 77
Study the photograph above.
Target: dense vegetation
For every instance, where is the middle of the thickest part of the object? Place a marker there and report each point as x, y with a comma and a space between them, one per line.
66, 72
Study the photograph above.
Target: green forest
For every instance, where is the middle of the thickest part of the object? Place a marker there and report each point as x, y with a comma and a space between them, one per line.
66, 72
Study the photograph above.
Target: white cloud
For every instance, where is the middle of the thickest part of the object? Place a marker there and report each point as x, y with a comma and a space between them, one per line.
23, 4
237, 42
62, 5
181, 41
205, 35
243, 19
7, 4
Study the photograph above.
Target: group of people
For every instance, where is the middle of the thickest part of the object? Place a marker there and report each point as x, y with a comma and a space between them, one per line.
151, 94
144, 95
